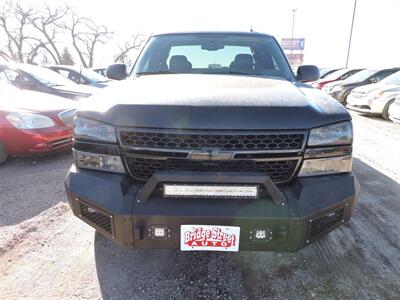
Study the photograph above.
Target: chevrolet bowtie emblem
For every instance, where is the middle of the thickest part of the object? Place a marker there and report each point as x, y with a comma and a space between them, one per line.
211, 154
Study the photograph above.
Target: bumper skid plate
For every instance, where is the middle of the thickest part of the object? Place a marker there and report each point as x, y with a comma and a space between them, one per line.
283, 218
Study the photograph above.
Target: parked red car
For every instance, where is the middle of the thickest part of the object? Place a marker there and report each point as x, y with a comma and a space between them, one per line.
341, 74
33, 122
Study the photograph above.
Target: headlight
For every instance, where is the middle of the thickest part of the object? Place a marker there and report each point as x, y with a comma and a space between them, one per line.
85, 129
375, 96
336, 134
337, 89
29, 121
325, 166
101, 162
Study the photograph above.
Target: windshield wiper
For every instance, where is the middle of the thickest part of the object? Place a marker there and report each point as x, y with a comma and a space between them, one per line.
242, 73
154, 73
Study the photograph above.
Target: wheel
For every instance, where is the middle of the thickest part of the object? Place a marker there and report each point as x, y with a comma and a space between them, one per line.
385, 113
344, 102
3, 153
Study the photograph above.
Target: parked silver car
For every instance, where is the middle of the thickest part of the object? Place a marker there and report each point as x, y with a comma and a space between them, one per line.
375, 98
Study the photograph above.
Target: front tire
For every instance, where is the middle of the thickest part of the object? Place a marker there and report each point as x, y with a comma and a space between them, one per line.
3, 153
385, 113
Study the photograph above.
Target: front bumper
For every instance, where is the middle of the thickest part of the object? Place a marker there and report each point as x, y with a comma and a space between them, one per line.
366, 106
313, 207
21, 142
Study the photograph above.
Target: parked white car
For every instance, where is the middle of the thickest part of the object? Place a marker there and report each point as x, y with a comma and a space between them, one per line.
375, 98
394, 111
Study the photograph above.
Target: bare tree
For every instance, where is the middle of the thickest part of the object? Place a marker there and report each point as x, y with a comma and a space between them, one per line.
48, 22
14, 20
134, 43
86, 35
36, 48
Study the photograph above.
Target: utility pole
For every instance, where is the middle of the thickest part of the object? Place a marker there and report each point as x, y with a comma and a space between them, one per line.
291, 41
351, 33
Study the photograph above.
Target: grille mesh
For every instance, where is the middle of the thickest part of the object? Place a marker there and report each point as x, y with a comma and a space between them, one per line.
285, 141
326, 222
96, 217
143, 168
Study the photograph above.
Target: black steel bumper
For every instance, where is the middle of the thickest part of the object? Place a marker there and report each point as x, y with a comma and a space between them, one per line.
312, 207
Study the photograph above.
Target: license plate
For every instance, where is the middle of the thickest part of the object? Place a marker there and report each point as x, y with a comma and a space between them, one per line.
210, 238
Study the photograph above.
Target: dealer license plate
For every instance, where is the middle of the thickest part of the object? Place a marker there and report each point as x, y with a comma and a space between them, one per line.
210, 238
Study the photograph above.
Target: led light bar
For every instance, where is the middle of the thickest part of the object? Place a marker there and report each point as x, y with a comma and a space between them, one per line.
210, 191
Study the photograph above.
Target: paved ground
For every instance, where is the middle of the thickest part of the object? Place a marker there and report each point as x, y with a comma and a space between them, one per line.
47, 253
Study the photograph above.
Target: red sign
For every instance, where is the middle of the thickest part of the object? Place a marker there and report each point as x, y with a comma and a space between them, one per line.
295, 59
206, 237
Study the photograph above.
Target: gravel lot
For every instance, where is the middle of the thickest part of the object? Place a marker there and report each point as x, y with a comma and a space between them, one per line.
45, 252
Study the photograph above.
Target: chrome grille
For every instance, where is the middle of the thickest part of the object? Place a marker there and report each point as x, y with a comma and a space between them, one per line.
146, 151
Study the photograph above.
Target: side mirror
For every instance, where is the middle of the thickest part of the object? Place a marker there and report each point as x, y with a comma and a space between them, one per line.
117, 71
374, 80
307, 73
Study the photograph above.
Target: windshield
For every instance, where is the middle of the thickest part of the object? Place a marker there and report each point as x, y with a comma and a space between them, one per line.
46, 76
360, 76
93, 76
214, 53
392, 79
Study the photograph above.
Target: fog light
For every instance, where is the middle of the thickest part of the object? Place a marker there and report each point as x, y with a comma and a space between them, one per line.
211, 191
325, 166
159, 232
97, 161
258, 234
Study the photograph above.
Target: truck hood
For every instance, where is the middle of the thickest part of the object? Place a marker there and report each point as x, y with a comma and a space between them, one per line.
200, 101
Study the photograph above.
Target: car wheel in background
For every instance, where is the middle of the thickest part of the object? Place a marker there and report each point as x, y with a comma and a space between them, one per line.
344, 101
3, 153
385, 113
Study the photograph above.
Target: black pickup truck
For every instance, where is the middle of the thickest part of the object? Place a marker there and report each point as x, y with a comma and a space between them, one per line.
212, 143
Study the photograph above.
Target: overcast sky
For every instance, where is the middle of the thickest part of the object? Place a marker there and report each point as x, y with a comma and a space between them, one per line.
325, 25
